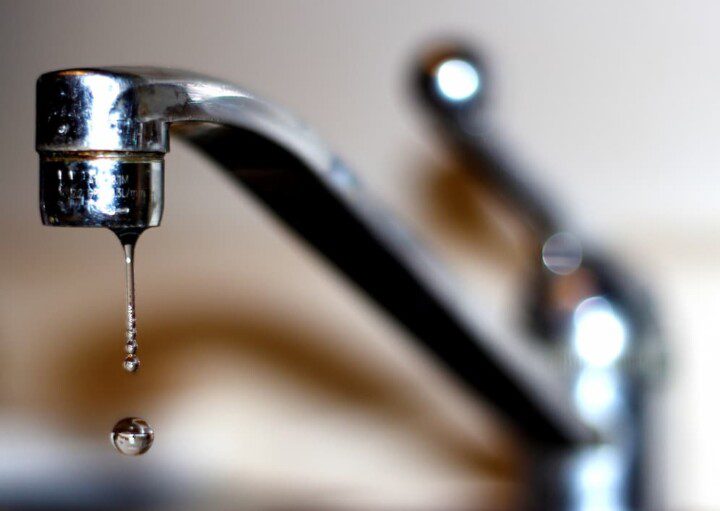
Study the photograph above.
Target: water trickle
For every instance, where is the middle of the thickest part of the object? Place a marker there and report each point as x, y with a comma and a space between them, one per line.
132, 436
131, 362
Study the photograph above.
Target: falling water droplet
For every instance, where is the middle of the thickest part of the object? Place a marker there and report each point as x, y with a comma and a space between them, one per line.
131, 363
132, 436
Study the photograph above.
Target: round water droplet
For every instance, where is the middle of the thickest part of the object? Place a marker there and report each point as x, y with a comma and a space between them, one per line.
131, 347
131, 363
62, 129
132, 436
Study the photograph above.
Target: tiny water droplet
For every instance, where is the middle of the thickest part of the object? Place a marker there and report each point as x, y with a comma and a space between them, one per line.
62, 129
130, 347
132, 436
131, 363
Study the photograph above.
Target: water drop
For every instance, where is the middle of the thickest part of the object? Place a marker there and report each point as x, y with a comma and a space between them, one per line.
131, 363
132, 436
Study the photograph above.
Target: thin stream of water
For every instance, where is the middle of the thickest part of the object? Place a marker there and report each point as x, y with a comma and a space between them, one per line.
131, 436
131, 362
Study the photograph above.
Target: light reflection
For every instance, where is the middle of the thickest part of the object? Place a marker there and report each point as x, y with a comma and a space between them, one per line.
597, 480
562, 253
102, 132
199, 91
457, 80
597, 395
103, 188
599, 332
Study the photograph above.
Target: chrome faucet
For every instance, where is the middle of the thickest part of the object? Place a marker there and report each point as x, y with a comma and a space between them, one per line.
580, 303
102, 135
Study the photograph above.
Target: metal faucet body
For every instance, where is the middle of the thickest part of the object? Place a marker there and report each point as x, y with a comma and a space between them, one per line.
576, 294
102, 135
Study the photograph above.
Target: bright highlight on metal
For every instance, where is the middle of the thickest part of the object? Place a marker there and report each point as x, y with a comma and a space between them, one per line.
598, 395
457, 80
597, 480
599, 332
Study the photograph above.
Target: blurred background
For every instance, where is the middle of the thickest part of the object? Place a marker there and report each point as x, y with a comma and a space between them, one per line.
271, 384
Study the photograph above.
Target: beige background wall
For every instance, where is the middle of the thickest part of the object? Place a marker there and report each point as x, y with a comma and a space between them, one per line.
300, 389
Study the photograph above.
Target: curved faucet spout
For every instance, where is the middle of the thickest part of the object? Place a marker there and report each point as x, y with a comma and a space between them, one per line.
102, 133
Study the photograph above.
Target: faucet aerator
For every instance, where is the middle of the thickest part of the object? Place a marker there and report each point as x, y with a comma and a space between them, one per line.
118, 190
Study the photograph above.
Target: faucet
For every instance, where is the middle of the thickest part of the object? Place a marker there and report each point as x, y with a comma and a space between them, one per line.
102, 134
579, 302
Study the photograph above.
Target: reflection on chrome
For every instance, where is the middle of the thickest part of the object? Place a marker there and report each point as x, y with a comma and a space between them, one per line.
597, 480
599, 332
103, 117
562, 253
598, 395
457, 80
103, 175
198, 91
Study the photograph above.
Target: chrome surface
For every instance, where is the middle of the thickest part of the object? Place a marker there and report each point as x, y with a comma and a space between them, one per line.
86, 117
114, 190
598, 320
